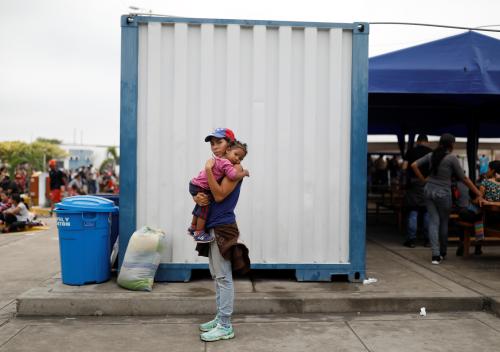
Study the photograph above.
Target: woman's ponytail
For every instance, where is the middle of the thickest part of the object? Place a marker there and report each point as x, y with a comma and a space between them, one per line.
445, 145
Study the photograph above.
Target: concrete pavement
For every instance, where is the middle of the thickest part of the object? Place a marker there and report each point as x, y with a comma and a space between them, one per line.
406, 282
479, 274
26, 260
466, 331
334, 316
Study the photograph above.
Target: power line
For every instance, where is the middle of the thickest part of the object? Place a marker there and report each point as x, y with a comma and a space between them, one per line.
480, 28
489, 25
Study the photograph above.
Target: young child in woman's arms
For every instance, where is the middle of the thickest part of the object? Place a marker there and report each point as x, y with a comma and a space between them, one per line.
227, 153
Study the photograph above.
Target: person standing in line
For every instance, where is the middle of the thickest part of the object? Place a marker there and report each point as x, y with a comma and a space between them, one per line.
75, 186
442, 165
92, 178
57, 183
414, 200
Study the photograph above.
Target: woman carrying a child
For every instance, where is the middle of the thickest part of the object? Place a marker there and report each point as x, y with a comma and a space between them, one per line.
225, 253
227, 156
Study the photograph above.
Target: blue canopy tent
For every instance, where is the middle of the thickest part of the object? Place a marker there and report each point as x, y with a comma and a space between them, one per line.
448, 85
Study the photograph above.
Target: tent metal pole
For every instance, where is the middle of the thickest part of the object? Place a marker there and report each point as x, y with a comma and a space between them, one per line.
472, 147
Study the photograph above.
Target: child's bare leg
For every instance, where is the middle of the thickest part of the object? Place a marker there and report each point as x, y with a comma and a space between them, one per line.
199, 234
200, 224
194, 221
192, 227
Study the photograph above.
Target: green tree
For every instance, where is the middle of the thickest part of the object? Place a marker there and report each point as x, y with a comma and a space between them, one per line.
48, 149
49, 140
112, 159
16, 152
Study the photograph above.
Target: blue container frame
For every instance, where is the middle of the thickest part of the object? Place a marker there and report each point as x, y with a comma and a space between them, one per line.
355, 269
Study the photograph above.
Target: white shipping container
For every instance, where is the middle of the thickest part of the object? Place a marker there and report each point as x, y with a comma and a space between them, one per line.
294, 92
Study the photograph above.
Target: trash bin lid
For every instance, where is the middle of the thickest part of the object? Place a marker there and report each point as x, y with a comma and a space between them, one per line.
87, 203
115, 197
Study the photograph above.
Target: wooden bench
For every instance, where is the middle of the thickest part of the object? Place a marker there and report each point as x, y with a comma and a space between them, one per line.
393, 203
491, 232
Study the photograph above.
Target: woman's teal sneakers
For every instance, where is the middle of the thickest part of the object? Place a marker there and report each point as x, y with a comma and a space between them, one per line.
205, 327
218, 333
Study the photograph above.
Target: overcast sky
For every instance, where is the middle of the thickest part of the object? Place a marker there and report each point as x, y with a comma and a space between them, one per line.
60, 60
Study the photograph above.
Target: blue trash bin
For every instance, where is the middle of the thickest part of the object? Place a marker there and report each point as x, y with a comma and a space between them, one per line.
115, 217
111, 196
84, 223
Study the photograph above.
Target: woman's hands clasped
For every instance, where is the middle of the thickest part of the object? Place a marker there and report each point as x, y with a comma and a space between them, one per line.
201, 199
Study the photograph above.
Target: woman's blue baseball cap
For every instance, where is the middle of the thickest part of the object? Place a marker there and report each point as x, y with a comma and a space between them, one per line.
221, 133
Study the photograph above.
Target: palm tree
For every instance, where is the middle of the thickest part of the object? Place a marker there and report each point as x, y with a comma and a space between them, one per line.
112, 159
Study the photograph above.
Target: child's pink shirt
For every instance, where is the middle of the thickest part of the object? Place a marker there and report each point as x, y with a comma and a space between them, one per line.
222, 167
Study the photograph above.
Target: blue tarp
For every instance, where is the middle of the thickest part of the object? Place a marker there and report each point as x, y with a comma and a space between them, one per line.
468, 63
448, 85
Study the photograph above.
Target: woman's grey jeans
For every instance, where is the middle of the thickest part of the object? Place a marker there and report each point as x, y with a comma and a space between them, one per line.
221, 272
438, 202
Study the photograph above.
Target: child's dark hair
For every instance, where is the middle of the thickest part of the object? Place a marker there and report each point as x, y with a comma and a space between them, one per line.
495, 166
16, 197
239, 144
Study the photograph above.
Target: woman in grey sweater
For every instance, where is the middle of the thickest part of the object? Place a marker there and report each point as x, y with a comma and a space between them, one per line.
442, 165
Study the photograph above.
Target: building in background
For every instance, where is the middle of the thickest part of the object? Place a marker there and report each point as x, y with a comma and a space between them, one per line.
84, 155
80, 157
